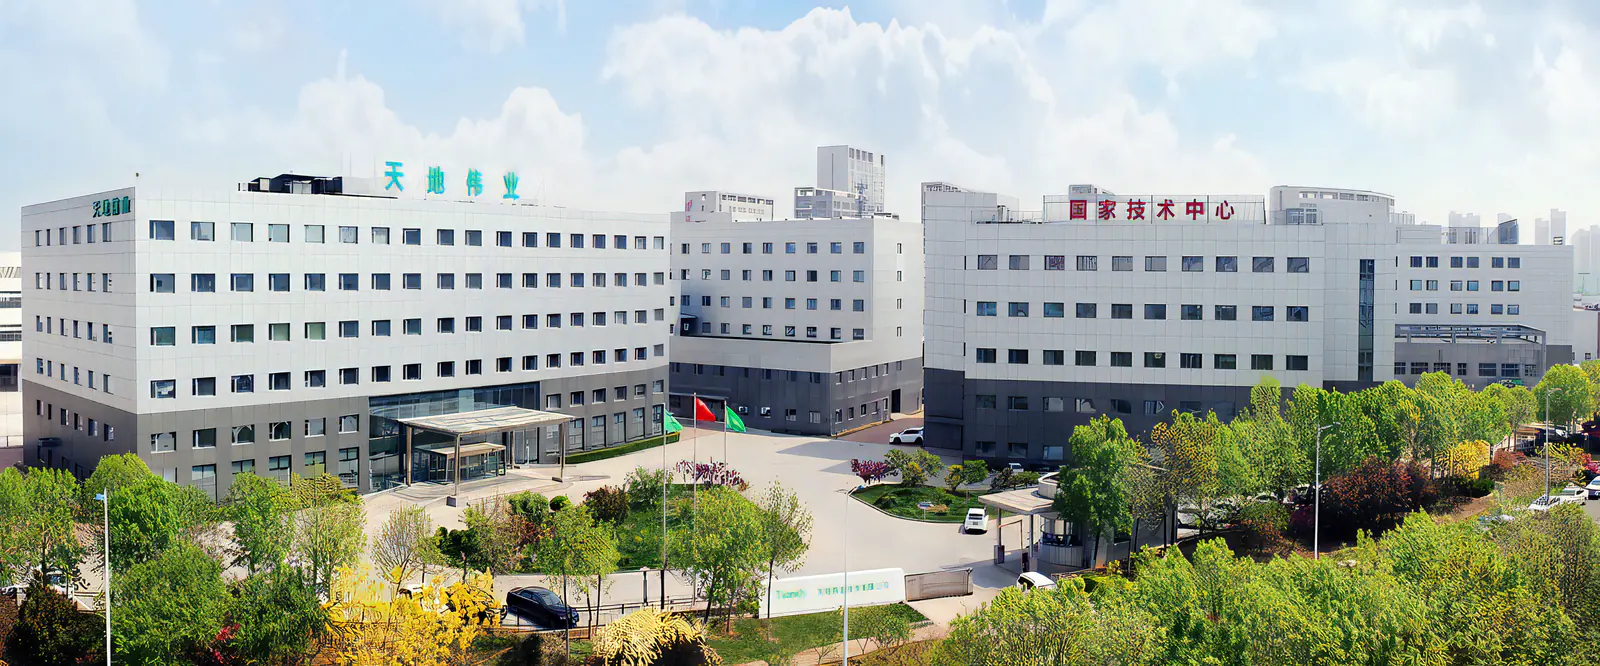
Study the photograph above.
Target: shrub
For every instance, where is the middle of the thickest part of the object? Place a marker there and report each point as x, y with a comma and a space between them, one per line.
644, 487
51, 632
1374, 495
530, 506
1261, 525
559, 502
871, 470
1502, 463
1301, 520
609, 504
884, 502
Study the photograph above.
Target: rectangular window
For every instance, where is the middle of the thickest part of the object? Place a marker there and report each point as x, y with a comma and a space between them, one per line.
1261, 312
243, 333
1155, 264
243, 282
1083, 358
1260, 361
316, 282
203, 335
1194, 264
204, 386
1015, 309
163, 336
1155, 311
162, 283
1054, 310
1303, 313
1017, 403
1301, 264
1122, 311
446, 281
1261, 265
1191, 312
1189, 361
1088, 263
1122, 264
1055, 262
1087, 310
1017, 356
163, 389
1155, 359
985, 355
243, 383
1227, 264
278, 332
200, 231
316, 330
1121, 359
1018, 262
1225, 362
313, 233
159, 230
1054, 357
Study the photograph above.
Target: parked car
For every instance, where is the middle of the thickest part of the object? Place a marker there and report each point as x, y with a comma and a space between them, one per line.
1567, 495
1015, 467
1573, 494
1033, 580
1593, 488
907, 436
543, 606
977, 521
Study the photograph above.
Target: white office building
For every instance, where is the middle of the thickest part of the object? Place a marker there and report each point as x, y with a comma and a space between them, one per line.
10, 348
283, 328
809, 326
1134, 306
817, 202
711, 204
849, 169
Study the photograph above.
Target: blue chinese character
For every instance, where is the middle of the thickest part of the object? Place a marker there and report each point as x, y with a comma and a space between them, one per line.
511, 186
435, 180
395, 174
474, 182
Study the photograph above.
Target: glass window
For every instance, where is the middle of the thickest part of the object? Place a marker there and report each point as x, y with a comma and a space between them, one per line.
200, 231
1055, 310
1194, 264
316, 330
243, 383
1225, 362
1017, 356
1088, 263
163, 336
1122, 311
278, 332
244, 282
164, 388
1302, 264
243, 333
1122, 263
1227, 264
204, 386
985, 355
1155, 264
1017, 309
1018, 262
1189, 361
474, 238
203, 335
1303, 313
1121, 359
1261, 265
199, 282
162, 283
988, 262
1260, 361
349, 282
1084, 358
159, 230
1155, 311
411, 236
1261, 312
316, 282
1087, 310
1472, 285
445, 237
1155, 360
380, 235
313, 233
1192, 312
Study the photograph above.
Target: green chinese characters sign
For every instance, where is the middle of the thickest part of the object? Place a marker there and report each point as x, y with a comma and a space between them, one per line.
113, 206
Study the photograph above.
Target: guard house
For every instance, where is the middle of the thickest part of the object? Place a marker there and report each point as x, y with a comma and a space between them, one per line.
451, 448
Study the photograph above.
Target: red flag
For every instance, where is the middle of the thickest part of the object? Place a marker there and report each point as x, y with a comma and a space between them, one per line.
702, 412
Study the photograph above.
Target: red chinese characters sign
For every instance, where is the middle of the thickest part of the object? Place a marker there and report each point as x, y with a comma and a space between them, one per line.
1164, 209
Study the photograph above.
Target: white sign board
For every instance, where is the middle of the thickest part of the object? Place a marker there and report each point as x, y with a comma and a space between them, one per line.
811, 594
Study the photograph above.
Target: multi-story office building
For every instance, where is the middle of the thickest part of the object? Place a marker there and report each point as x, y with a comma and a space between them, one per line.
216, 333
10, 348
848, 169
810, 326
1134, 306
708, 204
817, 202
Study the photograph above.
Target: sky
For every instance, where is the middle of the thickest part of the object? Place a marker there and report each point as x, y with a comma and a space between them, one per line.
623, 105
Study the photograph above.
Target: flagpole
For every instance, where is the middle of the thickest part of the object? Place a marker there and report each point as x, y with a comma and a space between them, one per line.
725, 414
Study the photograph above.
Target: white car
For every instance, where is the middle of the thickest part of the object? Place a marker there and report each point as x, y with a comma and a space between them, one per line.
977, 521
907, 436
1567, 495
1033, 580
1015, 467
1593, 488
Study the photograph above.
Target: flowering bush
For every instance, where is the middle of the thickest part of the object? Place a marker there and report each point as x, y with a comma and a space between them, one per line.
712, 474
1374, 495
871, 470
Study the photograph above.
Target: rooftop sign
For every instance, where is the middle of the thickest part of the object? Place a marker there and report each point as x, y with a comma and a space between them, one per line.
1157, 209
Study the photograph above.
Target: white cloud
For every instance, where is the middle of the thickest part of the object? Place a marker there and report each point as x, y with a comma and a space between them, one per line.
493, 25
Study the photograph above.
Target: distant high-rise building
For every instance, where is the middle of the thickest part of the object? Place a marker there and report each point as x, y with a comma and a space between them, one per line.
1558, 227
849, 169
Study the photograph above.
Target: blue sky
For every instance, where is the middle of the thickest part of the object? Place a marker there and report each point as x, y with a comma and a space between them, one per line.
1473, 106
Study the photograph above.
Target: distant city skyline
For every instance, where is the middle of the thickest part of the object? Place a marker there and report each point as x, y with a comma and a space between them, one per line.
1447, 106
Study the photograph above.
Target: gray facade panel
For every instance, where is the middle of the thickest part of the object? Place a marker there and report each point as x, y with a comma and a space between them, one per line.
768, 395
1452, 355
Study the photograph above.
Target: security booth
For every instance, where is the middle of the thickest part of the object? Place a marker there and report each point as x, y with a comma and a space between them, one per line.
467, 445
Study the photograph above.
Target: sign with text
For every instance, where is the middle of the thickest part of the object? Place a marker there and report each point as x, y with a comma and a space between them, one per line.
811, 594
1158, 209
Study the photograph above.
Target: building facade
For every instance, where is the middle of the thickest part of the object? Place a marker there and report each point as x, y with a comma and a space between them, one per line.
216, 333
806, 326
849, 169
10, 348
1135, 306
816, 202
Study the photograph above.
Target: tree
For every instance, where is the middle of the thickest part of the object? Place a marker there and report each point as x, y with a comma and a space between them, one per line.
36, 522
870, 470
1466, 459
723, 553
974, 471
1560, 555
609, 504
494, 536
168, 606
1516, 404
327, 536
530, 506
887, 626
1055, 627
404, 544
581, 551
278, 618
144, 520
1094, 494
915, 466
458, 548
113, 472
1375, 495
1201, 462
259, 510
648, 636
954, 476
50, 631
786, 531
1564, 395
436, 626
1268, 442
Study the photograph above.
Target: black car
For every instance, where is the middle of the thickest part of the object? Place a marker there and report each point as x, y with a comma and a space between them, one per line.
543, 606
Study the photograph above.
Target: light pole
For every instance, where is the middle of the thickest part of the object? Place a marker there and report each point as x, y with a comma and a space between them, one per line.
1548, 423
105, 505
846, 643
1316, 493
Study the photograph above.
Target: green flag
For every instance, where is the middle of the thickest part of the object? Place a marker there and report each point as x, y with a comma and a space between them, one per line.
672, 424
732, 420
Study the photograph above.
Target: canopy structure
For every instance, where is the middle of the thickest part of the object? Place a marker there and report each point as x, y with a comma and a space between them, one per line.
481, 422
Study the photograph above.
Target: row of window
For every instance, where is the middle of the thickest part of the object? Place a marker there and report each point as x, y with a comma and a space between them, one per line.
1022, 403
1186, 312
840, 377
44, 237
1467, 285
162, 389
1484, 369
56, 370
86, 330
245, 232
243, 435
1419, 261
78, 422
167, 336
791, 247
1153, 264
1122, 359
834, 333
748, 302
79, 280
1465, 308
746, 275
166, 283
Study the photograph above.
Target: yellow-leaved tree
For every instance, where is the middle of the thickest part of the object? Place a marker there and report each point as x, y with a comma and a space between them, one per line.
648, 636
370, 624
1465, 459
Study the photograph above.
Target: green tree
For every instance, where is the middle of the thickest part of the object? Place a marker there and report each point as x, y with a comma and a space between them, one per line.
259, 510
113, 472
954, 476
168, 606
145, 520
1564, 395
1560, 555
609, 504
1267, 441
786, 531
974, 471
458, 548
1201, 461
37, 530
724, 550
494, 536
404, 544
1095, 494
279, 617
530, 506
50, 631
1053, 627
328, 535
1516, 405
579, 550
915, 466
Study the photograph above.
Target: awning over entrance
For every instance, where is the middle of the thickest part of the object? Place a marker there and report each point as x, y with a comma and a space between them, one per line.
1024, 502
485, 421
466, 449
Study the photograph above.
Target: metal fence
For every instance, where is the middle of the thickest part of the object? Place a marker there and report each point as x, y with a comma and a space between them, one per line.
938, 584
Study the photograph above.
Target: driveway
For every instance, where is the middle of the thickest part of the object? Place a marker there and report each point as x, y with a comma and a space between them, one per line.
879, 434
846, 534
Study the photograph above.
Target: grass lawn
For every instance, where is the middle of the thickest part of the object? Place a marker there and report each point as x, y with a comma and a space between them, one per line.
795, 633
902, 501
614, 451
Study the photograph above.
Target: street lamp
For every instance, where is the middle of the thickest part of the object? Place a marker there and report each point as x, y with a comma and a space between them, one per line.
1316, 490
846, 632
105, 506
1547, 423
